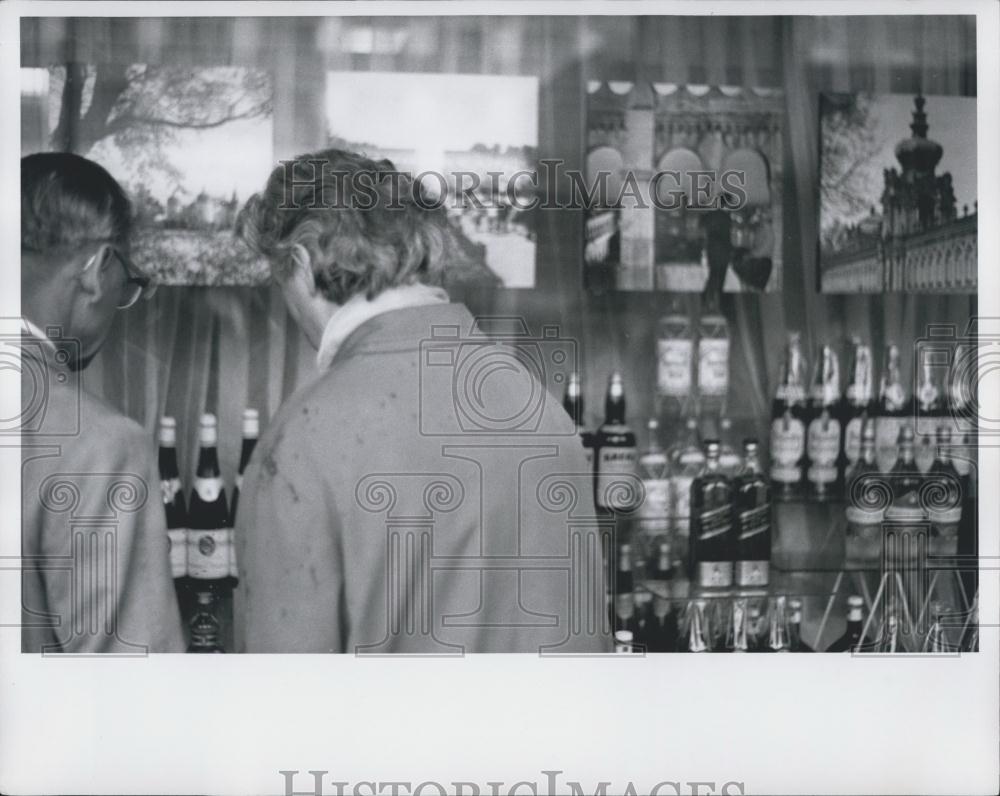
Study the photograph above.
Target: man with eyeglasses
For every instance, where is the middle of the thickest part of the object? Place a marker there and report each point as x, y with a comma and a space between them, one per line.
96, 573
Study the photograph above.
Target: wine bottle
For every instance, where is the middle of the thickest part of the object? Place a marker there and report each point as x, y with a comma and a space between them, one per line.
687, 459
204, 627
823, 434
894, 409
932, 408
713, 362
868, 495
624, 615
251, 431
574, 406
712, 543
654, 470
795, 642
208, 553
788, 433
616, 452
674, 361
662, 622
752, 502
905, 477
173, 499
859, 402
946, 498
852, 640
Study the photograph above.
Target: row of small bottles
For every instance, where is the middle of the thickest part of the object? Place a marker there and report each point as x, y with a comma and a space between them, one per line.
739, 625
816, 431
200, 530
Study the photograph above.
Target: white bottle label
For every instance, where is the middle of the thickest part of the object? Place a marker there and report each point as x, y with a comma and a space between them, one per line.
208, 553
208, 489
177, 545
715, 574
169, 489
852, 439
823, 448
886, 441
673, 373
231, 545
788, 443
613, 491
682, 495
753, 573
656, 504
925, 451
713, 366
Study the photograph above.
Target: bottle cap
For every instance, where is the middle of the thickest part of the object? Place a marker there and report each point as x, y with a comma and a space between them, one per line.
168, 431
208, 432
750, 445
711, 447
251, 423
623, 636
855, 601
652, 424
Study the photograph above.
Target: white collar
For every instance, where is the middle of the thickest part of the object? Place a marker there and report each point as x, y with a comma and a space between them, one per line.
358, 309
37, 333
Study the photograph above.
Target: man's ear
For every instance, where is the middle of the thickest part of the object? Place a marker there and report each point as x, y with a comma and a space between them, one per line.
302, 269
92, 273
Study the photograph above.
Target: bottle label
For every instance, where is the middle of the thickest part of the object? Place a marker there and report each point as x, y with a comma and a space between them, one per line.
753, 573
823, 447
208, 553
656, 504
169, 488
713, 366
715, 574
852, 439
925, 451
682, 496
714, 522
177, 545
754, 522
788, 443
886, 439
231, 546
613, 491
673, 373
208, 489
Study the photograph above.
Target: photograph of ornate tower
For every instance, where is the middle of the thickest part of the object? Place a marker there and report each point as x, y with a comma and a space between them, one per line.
897, 215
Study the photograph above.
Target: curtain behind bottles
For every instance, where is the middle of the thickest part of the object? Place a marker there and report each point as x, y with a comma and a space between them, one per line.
219, 349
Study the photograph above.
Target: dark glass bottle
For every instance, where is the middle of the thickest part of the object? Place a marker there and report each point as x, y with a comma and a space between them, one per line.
662, 620
173, 499
574, 406
906, 477
859, 402
788, 430
208, 541
894, 411
712, 544
795, 642
251, 432
616, 452
204, 627
824, 431
752, 504
852, 640
674, 361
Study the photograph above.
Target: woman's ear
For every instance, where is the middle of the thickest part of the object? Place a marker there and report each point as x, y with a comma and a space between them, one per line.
302, 269
93, 273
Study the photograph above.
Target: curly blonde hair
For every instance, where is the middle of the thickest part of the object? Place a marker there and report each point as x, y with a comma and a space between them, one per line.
365, 225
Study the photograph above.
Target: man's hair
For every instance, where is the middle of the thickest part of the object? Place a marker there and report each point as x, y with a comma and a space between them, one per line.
67, 200
364, 224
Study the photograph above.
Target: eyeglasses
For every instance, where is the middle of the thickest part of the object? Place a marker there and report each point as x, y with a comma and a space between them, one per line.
136, 285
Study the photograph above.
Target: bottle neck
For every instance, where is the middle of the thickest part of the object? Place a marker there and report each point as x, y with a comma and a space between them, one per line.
168, 462
614, 410
208, 463
249, 443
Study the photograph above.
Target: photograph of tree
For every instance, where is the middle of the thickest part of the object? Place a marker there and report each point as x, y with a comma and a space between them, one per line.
189, 145
898, 209
482, 126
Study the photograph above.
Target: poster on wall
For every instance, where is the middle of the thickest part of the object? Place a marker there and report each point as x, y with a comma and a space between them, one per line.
188, 144
898, 207
470, 142
683, 188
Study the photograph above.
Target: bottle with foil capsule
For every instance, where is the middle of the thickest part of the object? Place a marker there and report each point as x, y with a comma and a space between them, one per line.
904, 476
859, 402
824, 431
204, 628
852, 640
251, 432
616, 453
209, 537
894, 409
752, 517
573, 404
795, 642
788, 429
674, 361
712, 543
173, 499
713, 362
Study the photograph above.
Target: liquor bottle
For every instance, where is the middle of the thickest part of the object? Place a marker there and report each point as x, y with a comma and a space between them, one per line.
788, 432
852, 640
894, 409
573, 404
891, 639
867, 495
654, 470
616, 452
204, 627
946, 497
713, 362
823, 434
624, 616
623, 642
752, 503
729, 456
905, 477
859, 402
208, 554
697, 636
779, 637
674, 360
251, 431
932, 409
795, 642
662, 622
738, 632
173, 499
712, 544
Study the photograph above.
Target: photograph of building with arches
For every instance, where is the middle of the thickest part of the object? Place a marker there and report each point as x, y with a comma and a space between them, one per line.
898, 207
684, 188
